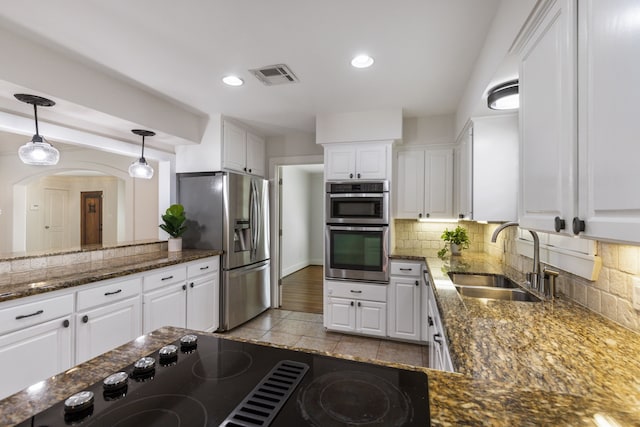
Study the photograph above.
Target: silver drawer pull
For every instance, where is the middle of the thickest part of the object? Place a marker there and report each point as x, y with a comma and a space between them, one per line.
167, 278
355, 292
204, 268
106, 294
22, 316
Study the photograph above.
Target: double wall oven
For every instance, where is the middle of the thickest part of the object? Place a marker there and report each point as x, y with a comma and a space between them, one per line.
357, 231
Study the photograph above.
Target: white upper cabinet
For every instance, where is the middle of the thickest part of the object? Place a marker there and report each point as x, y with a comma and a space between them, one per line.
424, 186
243, 151
365, 161
609, 91
578, 150
486, 166
548, 119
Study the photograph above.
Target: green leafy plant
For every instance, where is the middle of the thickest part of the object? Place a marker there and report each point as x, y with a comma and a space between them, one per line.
174, 219
458, 237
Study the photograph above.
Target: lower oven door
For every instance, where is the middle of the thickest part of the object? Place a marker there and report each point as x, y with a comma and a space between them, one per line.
357, 253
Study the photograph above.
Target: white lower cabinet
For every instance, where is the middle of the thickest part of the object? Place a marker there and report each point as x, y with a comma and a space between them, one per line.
183, 296
36, 341
439, 357
108, 315
404, 299
356, 307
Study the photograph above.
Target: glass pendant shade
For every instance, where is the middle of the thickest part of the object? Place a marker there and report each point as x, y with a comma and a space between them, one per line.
38, 152
141, 169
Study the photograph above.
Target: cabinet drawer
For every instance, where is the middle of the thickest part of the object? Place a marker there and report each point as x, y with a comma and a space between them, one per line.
24, 315
360, 291
109, 292
164, 277
198, 268
406, 268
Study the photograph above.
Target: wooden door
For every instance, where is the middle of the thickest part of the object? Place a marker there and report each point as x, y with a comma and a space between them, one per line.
91, 218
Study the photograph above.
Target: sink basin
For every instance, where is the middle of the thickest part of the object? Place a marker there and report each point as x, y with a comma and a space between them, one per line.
479, 279
497, 293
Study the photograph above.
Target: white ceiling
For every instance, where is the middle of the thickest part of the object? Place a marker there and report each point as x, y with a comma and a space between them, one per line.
424, 51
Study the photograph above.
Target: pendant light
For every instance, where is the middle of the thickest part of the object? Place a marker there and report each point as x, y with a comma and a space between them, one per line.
140, 168
37, 151
504, 96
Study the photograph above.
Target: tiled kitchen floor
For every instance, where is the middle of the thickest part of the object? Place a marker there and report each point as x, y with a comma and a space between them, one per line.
305, 330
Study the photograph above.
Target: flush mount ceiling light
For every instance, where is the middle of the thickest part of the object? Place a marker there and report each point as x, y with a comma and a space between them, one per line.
140, 168
37, 151
504, 96
233, 80
362, 61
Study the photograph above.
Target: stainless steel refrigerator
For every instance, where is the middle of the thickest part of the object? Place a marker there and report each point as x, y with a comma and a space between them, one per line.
230, 212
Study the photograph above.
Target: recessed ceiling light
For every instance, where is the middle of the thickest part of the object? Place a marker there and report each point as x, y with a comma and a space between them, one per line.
362, 61
233, 80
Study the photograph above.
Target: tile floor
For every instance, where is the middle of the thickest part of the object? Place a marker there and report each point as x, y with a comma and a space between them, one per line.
305, 330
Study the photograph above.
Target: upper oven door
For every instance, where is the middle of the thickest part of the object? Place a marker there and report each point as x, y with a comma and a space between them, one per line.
357, 208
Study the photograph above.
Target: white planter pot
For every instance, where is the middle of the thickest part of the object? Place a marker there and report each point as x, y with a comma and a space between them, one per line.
455, 249
175, 244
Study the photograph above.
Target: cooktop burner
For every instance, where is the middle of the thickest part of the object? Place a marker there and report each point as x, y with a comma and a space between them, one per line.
209, 381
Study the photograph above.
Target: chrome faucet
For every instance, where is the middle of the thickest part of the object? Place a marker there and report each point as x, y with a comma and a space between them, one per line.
535, 279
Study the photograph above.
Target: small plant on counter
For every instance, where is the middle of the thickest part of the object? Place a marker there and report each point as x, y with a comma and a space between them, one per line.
174, 219
457, 240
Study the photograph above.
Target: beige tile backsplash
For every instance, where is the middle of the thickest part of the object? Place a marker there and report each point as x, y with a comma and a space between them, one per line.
610, 295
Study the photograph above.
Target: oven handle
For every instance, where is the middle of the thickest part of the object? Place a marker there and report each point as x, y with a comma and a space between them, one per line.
384, 228
349, 195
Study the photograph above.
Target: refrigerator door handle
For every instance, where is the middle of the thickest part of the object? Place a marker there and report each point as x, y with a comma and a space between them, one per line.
254, 219
253, 267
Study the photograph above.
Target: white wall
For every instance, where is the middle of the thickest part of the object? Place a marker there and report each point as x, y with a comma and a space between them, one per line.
428, 130
292, 144
302, 219
140, 196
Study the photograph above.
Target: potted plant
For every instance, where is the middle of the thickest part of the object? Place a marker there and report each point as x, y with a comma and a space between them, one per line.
174, 219
457, 239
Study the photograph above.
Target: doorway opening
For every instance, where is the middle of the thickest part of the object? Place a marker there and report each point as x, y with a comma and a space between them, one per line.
90, 218
301, 237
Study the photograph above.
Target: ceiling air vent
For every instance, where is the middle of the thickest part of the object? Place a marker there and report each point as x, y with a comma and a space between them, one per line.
275, 75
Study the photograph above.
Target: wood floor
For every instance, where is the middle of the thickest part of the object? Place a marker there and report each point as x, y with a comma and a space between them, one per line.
302, 290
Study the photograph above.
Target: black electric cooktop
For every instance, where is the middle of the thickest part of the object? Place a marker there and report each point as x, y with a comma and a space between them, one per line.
209, 381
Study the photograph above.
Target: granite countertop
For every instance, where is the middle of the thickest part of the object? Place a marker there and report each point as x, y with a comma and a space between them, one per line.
47, 279
454, 399
555, 349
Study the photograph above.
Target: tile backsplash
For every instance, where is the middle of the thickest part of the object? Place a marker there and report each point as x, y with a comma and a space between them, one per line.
611, 295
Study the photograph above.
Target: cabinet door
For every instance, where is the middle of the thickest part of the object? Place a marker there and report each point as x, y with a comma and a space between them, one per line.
255, 155
371, 162
340, 162
35, 353
410, 184
463, 167
107, 327
341, 314
203, 311
165, 307
371, 318
609, 90
404, 308
234, 147
438, 184
548, 120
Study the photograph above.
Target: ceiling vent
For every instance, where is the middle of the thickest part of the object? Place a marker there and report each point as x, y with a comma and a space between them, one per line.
275, 75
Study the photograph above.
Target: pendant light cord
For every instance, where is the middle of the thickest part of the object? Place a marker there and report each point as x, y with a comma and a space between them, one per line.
142, 157
35, 114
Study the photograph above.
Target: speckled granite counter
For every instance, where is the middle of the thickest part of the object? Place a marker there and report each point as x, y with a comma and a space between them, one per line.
555, 352
47, 279
454, 399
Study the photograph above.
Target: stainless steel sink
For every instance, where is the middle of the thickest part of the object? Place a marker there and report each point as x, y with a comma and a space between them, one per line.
479, 279
497, 293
